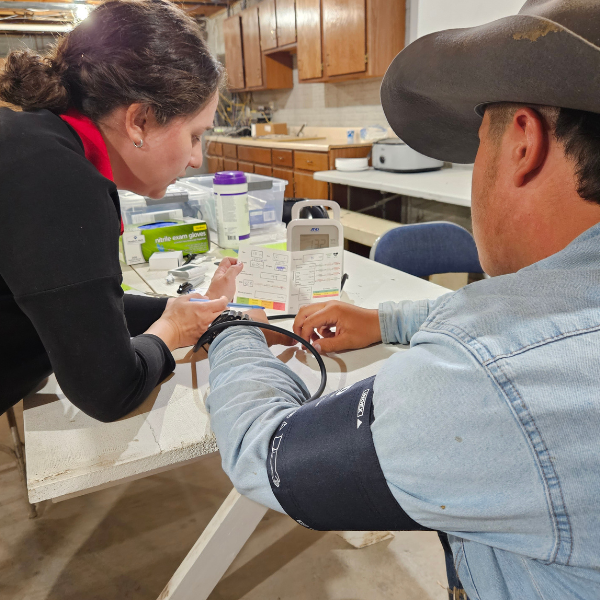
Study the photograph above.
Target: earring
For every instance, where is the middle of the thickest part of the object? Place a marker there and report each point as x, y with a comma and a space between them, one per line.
140, 144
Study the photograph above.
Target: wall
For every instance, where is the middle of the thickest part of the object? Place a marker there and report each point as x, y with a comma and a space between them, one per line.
347, 104
434, 15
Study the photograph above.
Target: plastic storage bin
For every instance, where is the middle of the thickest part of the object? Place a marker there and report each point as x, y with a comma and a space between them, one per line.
265, 204
179, 202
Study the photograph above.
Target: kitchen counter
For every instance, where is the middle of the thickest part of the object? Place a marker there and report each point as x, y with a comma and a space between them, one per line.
323, 145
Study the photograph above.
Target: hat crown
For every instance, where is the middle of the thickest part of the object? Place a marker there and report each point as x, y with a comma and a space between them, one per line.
579, 16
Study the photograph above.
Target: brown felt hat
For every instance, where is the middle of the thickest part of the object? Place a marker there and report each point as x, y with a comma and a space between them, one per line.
434, 91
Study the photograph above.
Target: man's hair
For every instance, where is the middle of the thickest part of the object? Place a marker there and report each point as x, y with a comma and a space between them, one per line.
577, 131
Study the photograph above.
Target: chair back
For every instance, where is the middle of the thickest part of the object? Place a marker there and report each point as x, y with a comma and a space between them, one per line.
425, 249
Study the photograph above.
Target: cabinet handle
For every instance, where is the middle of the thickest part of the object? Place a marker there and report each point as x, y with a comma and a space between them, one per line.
309, 162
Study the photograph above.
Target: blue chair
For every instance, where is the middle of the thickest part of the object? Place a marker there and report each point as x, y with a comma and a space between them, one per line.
425, 249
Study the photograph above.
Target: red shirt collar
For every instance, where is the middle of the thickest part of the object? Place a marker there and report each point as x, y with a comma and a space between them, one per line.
94, 145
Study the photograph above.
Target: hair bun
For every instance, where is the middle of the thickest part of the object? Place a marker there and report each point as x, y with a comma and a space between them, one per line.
31, 82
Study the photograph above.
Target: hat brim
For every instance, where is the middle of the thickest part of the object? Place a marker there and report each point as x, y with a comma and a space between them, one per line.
432, 88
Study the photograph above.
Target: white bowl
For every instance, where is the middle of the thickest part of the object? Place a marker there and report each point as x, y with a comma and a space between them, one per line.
352, 164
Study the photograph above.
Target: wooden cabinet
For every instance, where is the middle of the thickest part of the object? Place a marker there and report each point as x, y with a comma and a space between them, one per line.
283, 158
311, 161
263, 170
335, 40
251, 56
268, 25
340, 40
344, 36
232, 34
286, 22
254, 154
215, 164
251, 44
214, 148
286, 175
307, 187
230, 150
297, 167
308, 23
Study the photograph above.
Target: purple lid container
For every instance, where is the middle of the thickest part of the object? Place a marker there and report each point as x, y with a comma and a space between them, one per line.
229, 178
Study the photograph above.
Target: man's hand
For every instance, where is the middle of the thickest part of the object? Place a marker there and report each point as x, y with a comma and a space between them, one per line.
354, 327
223, 281
273, 338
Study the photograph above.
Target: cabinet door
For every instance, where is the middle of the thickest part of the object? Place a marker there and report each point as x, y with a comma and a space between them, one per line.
283, 158
307, 187
229, 164
286, 175
254, 154
252, 54
344, 36
311, 161
263, 170
230, 150
310, 58
232, 34
215, 164
268, 24
246, 167
286, 21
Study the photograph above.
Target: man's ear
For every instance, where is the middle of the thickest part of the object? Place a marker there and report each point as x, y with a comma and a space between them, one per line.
136, 122
529, 138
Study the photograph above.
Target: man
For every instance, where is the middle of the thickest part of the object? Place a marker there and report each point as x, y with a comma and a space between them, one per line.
487, 429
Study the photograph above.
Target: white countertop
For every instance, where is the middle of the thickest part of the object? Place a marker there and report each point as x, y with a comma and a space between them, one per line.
452, 186
323, 145
69, 453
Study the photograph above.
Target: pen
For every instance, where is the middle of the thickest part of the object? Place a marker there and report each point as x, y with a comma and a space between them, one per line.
231, 304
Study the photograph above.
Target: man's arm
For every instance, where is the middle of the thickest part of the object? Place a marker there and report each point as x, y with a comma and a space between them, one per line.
336, 326
399, 321
451, 451
251, 393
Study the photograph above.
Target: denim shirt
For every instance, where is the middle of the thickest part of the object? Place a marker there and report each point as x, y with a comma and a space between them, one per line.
487, 429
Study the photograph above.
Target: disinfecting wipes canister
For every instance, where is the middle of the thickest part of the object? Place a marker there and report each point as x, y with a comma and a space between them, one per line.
231, 200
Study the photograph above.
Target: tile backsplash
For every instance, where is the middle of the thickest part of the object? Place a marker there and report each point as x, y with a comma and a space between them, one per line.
346, 104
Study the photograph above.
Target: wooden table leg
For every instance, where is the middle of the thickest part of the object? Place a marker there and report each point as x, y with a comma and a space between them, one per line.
215, 549
20, 458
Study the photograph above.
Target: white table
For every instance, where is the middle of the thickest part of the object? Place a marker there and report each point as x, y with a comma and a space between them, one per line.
70, 454
451, 186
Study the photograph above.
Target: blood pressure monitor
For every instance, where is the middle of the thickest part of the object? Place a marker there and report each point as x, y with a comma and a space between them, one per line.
314, 234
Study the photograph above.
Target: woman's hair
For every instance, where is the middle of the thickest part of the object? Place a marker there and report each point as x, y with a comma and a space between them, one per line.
125, 52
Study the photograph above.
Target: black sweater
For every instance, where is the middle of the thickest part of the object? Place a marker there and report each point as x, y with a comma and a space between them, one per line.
62, 308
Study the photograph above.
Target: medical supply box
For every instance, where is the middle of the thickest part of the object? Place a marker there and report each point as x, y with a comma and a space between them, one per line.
141, 241
265, 200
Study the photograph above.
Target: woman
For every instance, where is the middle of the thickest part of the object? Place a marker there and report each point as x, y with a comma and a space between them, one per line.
121, 101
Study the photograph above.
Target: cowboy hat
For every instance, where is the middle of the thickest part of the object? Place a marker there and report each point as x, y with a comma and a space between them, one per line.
434, 92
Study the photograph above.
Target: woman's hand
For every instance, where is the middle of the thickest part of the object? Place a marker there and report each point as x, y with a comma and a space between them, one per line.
354, 327
273, 338
223, 281
183, 322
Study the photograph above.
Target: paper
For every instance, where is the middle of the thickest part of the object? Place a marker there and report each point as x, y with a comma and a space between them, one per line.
286, 281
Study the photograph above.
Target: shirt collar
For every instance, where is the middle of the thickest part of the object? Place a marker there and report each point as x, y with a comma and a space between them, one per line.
94, 145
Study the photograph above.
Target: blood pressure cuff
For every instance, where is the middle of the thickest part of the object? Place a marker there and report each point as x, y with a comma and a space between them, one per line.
324, 470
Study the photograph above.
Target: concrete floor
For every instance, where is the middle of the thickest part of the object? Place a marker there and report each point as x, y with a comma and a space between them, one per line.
124, 543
